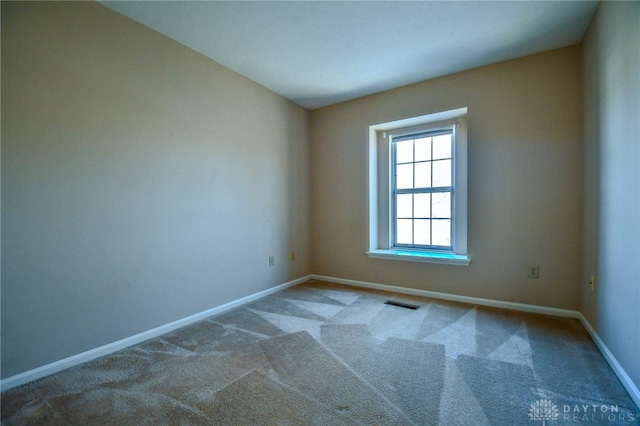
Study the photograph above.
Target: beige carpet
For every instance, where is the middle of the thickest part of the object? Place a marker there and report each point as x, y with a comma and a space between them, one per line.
323, 354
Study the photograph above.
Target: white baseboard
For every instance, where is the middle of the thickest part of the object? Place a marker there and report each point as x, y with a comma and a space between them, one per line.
608, 356
455, 298
110, 348
624, 378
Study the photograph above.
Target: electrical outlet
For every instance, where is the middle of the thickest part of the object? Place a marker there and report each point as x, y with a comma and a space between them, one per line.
272, 261
534, 271
292, 255
592, 282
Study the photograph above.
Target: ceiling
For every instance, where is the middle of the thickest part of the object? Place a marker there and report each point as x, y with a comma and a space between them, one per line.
318, 53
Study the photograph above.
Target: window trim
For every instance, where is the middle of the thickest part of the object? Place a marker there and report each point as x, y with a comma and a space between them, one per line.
380, 193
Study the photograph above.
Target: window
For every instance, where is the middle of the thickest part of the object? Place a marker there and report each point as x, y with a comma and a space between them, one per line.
422, 185
418, 189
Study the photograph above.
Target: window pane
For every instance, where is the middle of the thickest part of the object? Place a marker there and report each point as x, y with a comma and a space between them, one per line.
404, 152
441, 205
404, 176
403, 205
423, 149
441, 233
422, 205
403, 231
423, 175
442, 147
442, 173
421, 232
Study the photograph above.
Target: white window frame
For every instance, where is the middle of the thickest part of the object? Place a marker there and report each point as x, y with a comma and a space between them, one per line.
381, 228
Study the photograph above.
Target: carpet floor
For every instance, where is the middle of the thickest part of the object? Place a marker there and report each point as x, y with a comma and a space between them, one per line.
326, 354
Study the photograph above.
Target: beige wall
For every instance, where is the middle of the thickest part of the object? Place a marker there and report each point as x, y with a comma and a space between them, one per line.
612, 180
141, 182
525, 181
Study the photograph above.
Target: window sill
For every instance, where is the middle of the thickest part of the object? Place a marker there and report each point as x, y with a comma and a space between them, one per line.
417, 256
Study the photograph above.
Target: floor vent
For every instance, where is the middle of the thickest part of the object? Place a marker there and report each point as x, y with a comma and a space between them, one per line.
401, 305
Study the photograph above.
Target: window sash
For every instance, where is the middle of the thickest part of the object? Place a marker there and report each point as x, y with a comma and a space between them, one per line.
393, 194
